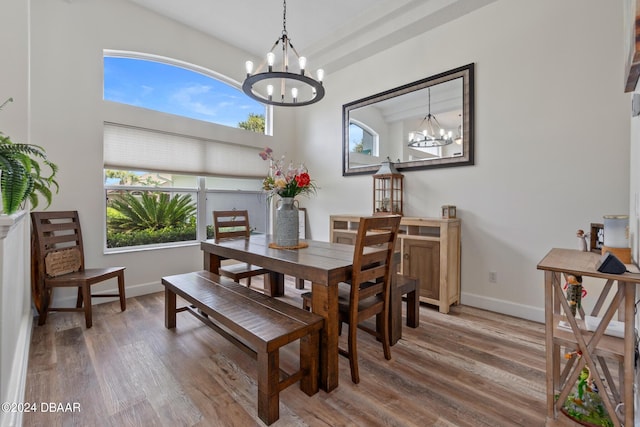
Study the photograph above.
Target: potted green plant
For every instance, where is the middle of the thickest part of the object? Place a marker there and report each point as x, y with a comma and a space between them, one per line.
22, 175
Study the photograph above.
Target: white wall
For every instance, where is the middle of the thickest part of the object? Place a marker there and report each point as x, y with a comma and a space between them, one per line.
552, 138
552, 129
67, 41
15, 287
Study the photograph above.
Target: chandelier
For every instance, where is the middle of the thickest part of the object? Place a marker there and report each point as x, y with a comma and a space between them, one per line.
296, 89
432, 134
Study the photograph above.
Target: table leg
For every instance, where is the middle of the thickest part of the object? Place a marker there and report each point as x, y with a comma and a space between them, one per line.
211, 262
629, 350
553, 359
276, 284
169, 309
325, 303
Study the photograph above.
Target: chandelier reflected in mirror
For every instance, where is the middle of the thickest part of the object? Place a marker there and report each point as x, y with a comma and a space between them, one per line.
431, 133
294, 89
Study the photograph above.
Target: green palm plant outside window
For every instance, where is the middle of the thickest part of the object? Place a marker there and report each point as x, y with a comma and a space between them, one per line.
150, 211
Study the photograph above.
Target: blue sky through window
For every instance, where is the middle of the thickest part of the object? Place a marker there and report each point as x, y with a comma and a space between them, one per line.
175, 90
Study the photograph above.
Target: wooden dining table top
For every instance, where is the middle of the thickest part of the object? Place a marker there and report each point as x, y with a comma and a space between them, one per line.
320, 262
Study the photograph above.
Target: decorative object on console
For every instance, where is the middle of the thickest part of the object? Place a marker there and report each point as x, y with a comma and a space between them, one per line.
616, 237
584, 403
286, 183
582, 240
575, 292
306, 90
448, 211
387, 190
609, 263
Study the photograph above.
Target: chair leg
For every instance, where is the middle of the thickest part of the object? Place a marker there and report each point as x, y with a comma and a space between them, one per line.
353, 352
123, 301
79, 299
384, 318
86, 296
249, 282
299, 283
45, 300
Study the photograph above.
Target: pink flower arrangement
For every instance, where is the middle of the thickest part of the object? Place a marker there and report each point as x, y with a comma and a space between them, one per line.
288, 182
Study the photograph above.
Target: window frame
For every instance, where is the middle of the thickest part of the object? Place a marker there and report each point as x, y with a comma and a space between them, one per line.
203, 215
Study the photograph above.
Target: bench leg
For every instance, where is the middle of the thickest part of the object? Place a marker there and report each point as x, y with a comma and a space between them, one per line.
268, 386
170, 309
309, 362
413, 309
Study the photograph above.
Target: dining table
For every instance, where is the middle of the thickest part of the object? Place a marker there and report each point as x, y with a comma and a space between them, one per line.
324, 264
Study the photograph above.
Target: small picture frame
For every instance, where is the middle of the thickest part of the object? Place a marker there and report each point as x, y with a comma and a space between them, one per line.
596, 237
448, 211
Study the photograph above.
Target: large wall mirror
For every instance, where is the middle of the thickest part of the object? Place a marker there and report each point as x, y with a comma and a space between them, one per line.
424, 124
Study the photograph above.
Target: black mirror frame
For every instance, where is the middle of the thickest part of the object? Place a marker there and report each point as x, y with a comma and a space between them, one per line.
467, 74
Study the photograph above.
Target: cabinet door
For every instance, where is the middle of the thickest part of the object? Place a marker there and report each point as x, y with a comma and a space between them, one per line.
421, 259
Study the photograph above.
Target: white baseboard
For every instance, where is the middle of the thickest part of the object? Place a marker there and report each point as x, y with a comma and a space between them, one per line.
522, 311
17, 380
130, 291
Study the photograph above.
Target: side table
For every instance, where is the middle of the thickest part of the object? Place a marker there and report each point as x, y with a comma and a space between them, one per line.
596, 349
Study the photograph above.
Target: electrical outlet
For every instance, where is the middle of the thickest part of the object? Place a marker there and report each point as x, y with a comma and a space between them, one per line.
493, 277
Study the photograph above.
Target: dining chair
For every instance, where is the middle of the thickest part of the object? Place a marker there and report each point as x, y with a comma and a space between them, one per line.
233, 224
367, 293
57, 260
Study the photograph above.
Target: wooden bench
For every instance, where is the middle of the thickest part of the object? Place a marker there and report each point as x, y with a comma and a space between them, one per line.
409, 286
257, 323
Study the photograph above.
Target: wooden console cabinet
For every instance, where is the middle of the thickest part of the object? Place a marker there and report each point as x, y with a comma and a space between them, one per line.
430, 251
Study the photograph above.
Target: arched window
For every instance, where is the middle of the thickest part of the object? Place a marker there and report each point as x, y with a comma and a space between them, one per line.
362, 139
174, 87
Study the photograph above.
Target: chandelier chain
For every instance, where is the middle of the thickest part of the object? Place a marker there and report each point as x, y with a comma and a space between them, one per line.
284, 16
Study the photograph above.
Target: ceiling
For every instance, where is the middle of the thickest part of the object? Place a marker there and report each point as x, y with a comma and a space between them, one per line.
332, 34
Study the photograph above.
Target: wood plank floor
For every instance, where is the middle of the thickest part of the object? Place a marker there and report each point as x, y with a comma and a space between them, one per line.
467, 368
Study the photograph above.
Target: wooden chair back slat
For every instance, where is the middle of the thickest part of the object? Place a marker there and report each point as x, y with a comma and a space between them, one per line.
56, 231
231, 224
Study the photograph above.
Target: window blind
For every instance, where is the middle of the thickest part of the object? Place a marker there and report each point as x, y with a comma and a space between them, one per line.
134, 148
